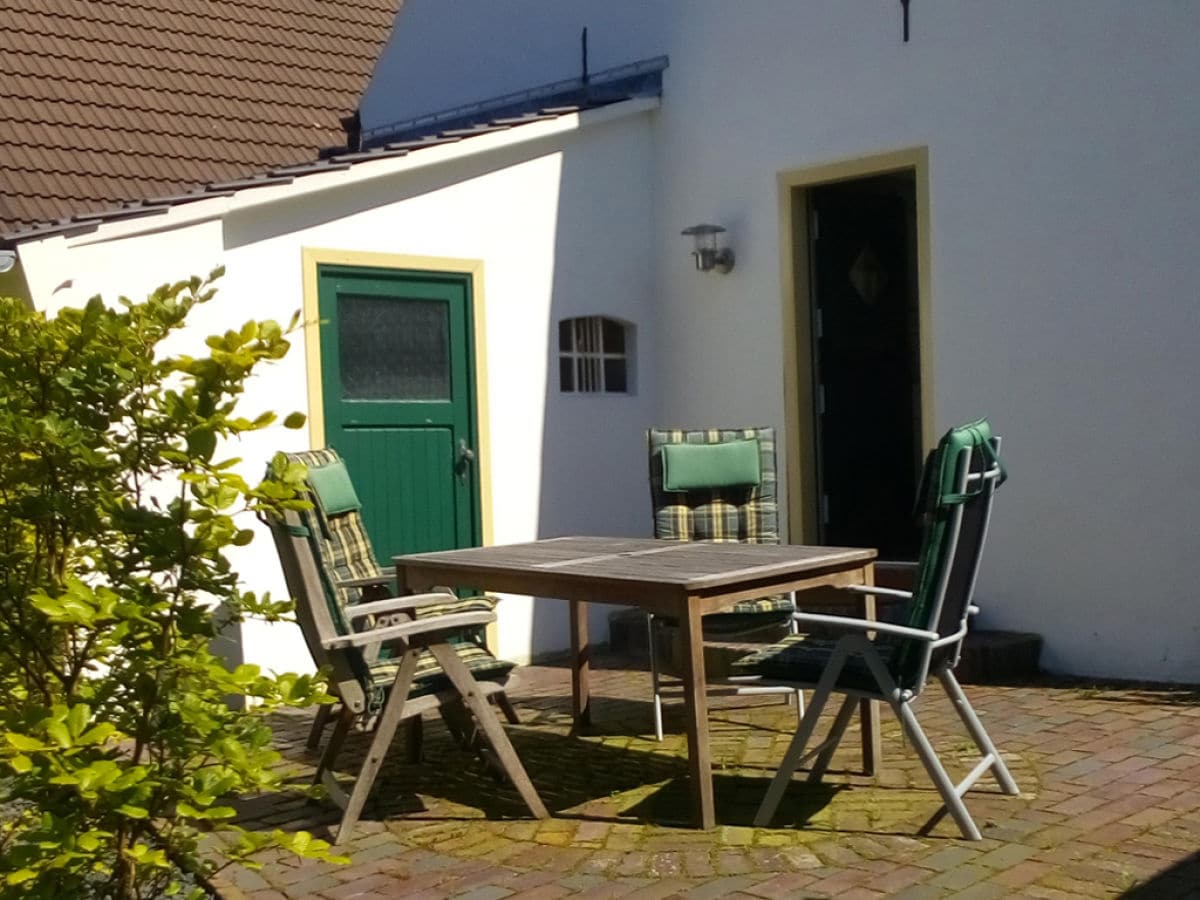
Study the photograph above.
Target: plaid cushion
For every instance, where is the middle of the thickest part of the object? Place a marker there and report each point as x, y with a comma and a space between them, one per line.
429, 676
342, 544
344, 552
743, 513
801, 659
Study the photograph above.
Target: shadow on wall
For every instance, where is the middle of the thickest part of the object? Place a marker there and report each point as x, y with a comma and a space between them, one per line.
594, 466
322, 207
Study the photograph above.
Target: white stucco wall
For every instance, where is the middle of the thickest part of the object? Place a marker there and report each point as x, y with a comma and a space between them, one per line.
531, 212
1064, 205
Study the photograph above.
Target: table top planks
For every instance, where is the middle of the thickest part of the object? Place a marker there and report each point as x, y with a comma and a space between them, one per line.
685, 565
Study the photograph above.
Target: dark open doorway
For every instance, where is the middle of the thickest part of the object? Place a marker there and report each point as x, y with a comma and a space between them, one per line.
866, 351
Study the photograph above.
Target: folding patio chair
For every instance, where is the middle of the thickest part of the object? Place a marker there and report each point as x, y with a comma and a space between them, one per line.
881, 661
388, 659
344, 551
717, 484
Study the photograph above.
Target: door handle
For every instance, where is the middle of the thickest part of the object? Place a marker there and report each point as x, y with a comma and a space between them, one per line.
463, 458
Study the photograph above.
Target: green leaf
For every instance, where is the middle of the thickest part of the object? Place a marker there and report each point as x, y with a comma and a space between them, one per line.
90, 840
295, 420
58, 732
20, 764
97, 734
20, 876
202, 442
77, 719
23, 742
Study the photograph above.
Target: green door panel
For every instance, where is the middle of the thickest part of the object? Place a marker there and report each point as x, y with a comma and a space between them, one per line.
412, 467
398, 386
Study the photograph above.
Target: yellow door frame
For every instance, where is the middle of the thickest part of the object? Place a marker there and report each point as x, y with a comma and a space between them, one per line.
314, 257
799, 412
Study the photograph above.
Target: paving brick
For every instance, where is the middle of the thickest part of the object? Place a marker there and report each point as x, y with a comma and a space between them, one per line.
982, 891
487, 892
900, 876
948, 858
543, 892
781, 886
1110, 780
359, 886
722, 887
919, 892
960, 877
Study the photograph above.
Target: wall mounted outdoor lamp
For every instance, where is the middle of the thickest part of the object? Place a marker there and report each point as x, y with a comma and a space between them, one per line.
707, 255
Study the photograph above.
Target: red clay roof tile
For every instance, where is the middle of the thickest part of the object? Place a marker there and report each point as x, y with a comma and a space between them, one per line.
102, 103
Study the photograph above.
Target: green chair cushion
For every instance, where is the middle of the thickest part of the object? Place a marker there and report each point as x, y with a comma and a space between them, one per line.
334, 489
429, 677
702, 466
801, 659
477, 603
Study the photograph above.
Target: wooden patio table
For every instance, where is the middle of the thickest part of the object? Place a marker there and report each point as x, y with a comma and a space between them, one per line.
683, 579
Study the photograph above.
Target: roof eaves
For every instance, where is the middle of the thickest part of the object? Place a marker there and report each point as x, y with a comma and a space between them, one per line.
87, 222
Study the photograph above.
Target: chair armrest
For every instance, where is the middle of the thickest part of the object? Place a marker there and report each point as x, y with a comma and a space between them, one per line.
865, 625
405, 632
395, 604
876, 590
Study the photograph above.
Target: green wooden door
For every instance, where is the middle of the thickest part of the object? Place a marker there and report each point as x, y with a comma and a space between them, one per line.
398, 384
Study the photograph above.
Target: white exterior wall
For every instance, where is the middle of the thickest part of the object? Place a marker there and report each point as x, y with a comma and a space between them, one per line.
1064, 208
530, 211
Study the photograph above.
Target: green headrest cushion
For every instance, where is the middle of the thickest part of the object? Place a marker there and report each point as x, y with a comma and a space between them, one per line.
689, 467
335, 492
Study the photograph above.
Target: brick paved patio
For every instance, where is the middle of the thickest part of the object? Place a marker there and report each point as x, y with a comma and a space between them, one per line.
1111, 806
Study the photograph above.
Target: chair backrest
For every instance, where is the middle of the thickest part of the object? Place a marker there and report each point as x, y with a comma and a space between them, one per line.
336, 530
714, 484
325, 546
320, 548
306, 584
957, 488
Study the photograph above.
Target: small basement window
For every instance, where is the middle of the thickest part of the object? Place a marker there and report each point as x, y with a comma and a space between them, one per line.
594, 356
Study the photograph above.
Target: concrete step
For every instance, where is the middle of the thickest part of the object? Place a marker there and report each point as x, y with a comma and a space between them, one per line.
989, 657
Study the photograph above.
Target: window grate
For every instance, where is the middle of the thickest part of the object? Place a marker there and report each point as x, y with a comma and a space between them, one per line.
594, 355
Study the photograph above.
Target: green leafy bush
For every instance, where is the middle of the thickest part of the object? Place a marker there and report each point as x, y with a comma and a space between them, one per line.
118, 749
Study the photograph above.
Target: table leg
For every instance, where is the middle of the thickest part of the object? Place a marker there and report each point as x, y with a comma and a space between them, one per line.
872, 749
696, 702
581, 707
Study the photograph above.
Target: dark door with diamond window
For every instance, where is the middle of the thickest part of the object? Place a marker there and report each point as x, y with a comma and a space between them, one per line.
867, 361
398, 386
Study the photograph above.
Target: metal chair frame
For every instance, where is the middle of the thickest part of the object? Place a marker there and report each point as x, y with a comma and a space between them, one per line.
938, 646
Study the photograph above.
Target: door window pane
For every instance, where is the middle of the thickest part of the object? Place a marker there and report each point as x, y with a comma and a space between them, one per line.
392, 348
